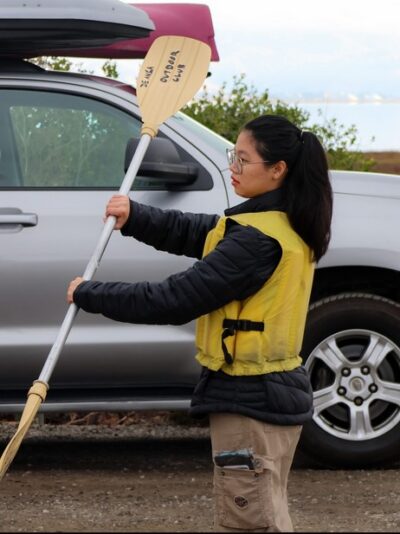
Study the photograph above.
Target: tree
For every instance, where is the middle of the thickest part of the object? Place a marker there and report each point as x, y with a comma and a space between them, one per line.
110, 69
53, 63
62, 64
225, 112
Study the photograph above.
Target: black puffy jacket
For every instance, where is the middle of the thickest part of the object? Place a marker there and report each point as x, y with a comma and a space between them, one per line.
237, 268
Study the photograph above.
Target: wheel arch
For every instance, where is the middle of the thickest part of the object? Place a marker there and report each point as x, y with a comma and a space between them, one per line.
329, 281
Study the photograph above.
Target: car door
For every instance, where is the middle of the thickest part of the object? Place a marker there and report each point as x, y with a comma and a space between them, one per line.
62, 157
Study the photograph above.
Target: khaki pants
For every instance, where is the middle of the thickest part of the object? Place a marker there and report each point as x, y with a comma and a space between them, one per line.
252, 499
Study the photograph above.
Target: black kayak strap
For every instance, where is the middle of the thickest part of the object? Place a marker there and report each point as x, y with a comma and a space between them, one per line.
229, 328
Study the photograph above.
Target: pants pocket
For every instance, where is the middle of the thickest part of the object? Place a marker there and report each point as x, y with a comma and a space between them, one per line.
243, 498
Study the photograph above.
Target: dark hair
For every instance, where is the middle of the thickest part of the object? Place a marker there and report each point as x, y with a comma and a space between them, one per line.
308, 192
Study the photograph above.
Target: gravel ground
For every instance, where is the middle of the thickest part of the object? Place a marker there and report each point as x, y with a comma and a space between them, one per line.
156, 477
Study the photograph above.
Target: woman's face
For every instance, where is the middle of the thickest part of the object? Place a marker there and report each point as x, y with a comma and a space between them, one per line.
256, 177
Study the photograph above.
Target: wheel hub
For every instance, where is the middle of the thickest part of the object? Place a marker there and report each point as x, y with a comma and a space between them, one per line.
354, 384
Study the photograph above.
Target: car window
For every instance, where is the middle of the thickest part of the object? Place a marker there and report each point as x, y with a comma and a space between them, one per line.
62, 140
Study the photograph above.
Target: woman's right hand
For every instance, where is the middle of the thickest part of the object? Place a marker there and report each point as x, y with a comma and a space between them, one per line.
119, 206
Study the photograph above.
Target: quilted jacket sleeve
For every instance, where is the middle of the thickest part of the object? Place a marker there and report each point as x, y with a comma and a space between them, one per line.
234, 270
169, 230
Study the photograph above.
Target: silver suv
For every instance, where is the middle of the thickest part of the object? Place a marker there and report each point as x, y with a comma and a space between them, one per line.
63, 139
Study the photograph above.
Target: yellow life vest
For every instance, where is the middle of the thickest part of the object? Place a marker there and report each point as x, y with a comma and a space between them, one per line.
270, 330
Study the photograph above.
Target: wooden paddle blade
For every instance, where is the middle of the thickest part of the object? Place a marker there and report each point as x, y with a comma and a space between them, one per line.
172, 72
36, 395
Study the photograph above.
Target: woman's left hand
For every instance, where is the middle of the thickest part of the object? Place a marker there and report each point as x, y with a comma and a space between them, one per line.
71, 288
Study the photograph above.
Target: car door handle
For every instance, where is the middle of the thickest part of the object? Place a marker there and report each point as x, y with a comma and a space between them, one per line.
14, 216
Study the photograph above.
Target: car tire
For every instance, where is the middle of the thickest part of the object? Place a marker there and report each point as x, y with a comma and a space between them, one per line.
351, 350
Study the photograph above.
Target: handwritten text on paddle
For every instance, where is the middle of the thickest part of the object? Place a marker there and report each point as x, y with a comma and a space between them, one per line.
172, 71
170, 66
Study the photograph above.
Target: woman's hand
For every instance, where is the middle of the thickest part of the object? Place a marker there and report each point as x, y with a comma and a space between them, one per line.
119, 206
71, 288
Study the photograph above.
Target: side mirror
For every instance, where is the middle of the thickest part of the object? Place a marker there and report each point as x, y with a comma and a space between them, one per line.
162, 162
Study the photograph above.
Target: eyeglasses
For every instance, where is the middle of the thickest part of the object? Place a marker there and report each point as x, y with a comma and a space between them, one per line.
237, 163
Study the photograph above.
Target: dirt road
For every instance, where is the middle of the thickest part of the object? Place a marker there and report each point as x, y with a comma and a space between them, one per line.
157, 478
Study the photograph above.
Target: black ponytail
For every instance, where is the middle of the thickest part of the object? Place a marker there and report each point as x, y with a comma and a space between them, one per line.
308, 192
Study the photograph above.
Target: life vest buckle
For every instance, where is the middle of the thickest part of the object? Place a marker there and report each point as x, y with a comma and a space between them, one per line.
230, 326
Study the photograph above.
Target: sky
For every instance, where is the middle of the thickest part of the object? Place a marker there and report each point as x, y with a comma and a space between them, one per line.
301, 49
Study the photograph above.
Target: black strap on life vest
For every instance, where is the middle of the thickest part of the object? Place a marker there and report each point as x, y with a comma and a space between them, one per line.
230, 326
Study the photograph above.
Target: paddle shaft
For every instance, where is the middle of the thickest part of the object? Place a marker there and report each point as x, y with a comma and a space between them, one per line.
94, 261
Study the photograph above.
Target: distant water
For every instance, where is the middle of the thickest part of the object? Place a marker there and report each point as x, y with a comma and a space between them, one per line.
380, 120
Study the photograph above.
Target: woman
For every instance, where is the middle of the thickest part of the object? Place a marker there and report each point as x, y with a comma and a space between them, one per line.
250, 292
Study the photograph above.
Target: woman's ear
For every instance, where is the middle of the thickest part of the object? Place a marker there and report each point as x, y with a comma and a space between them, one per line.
280, 170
